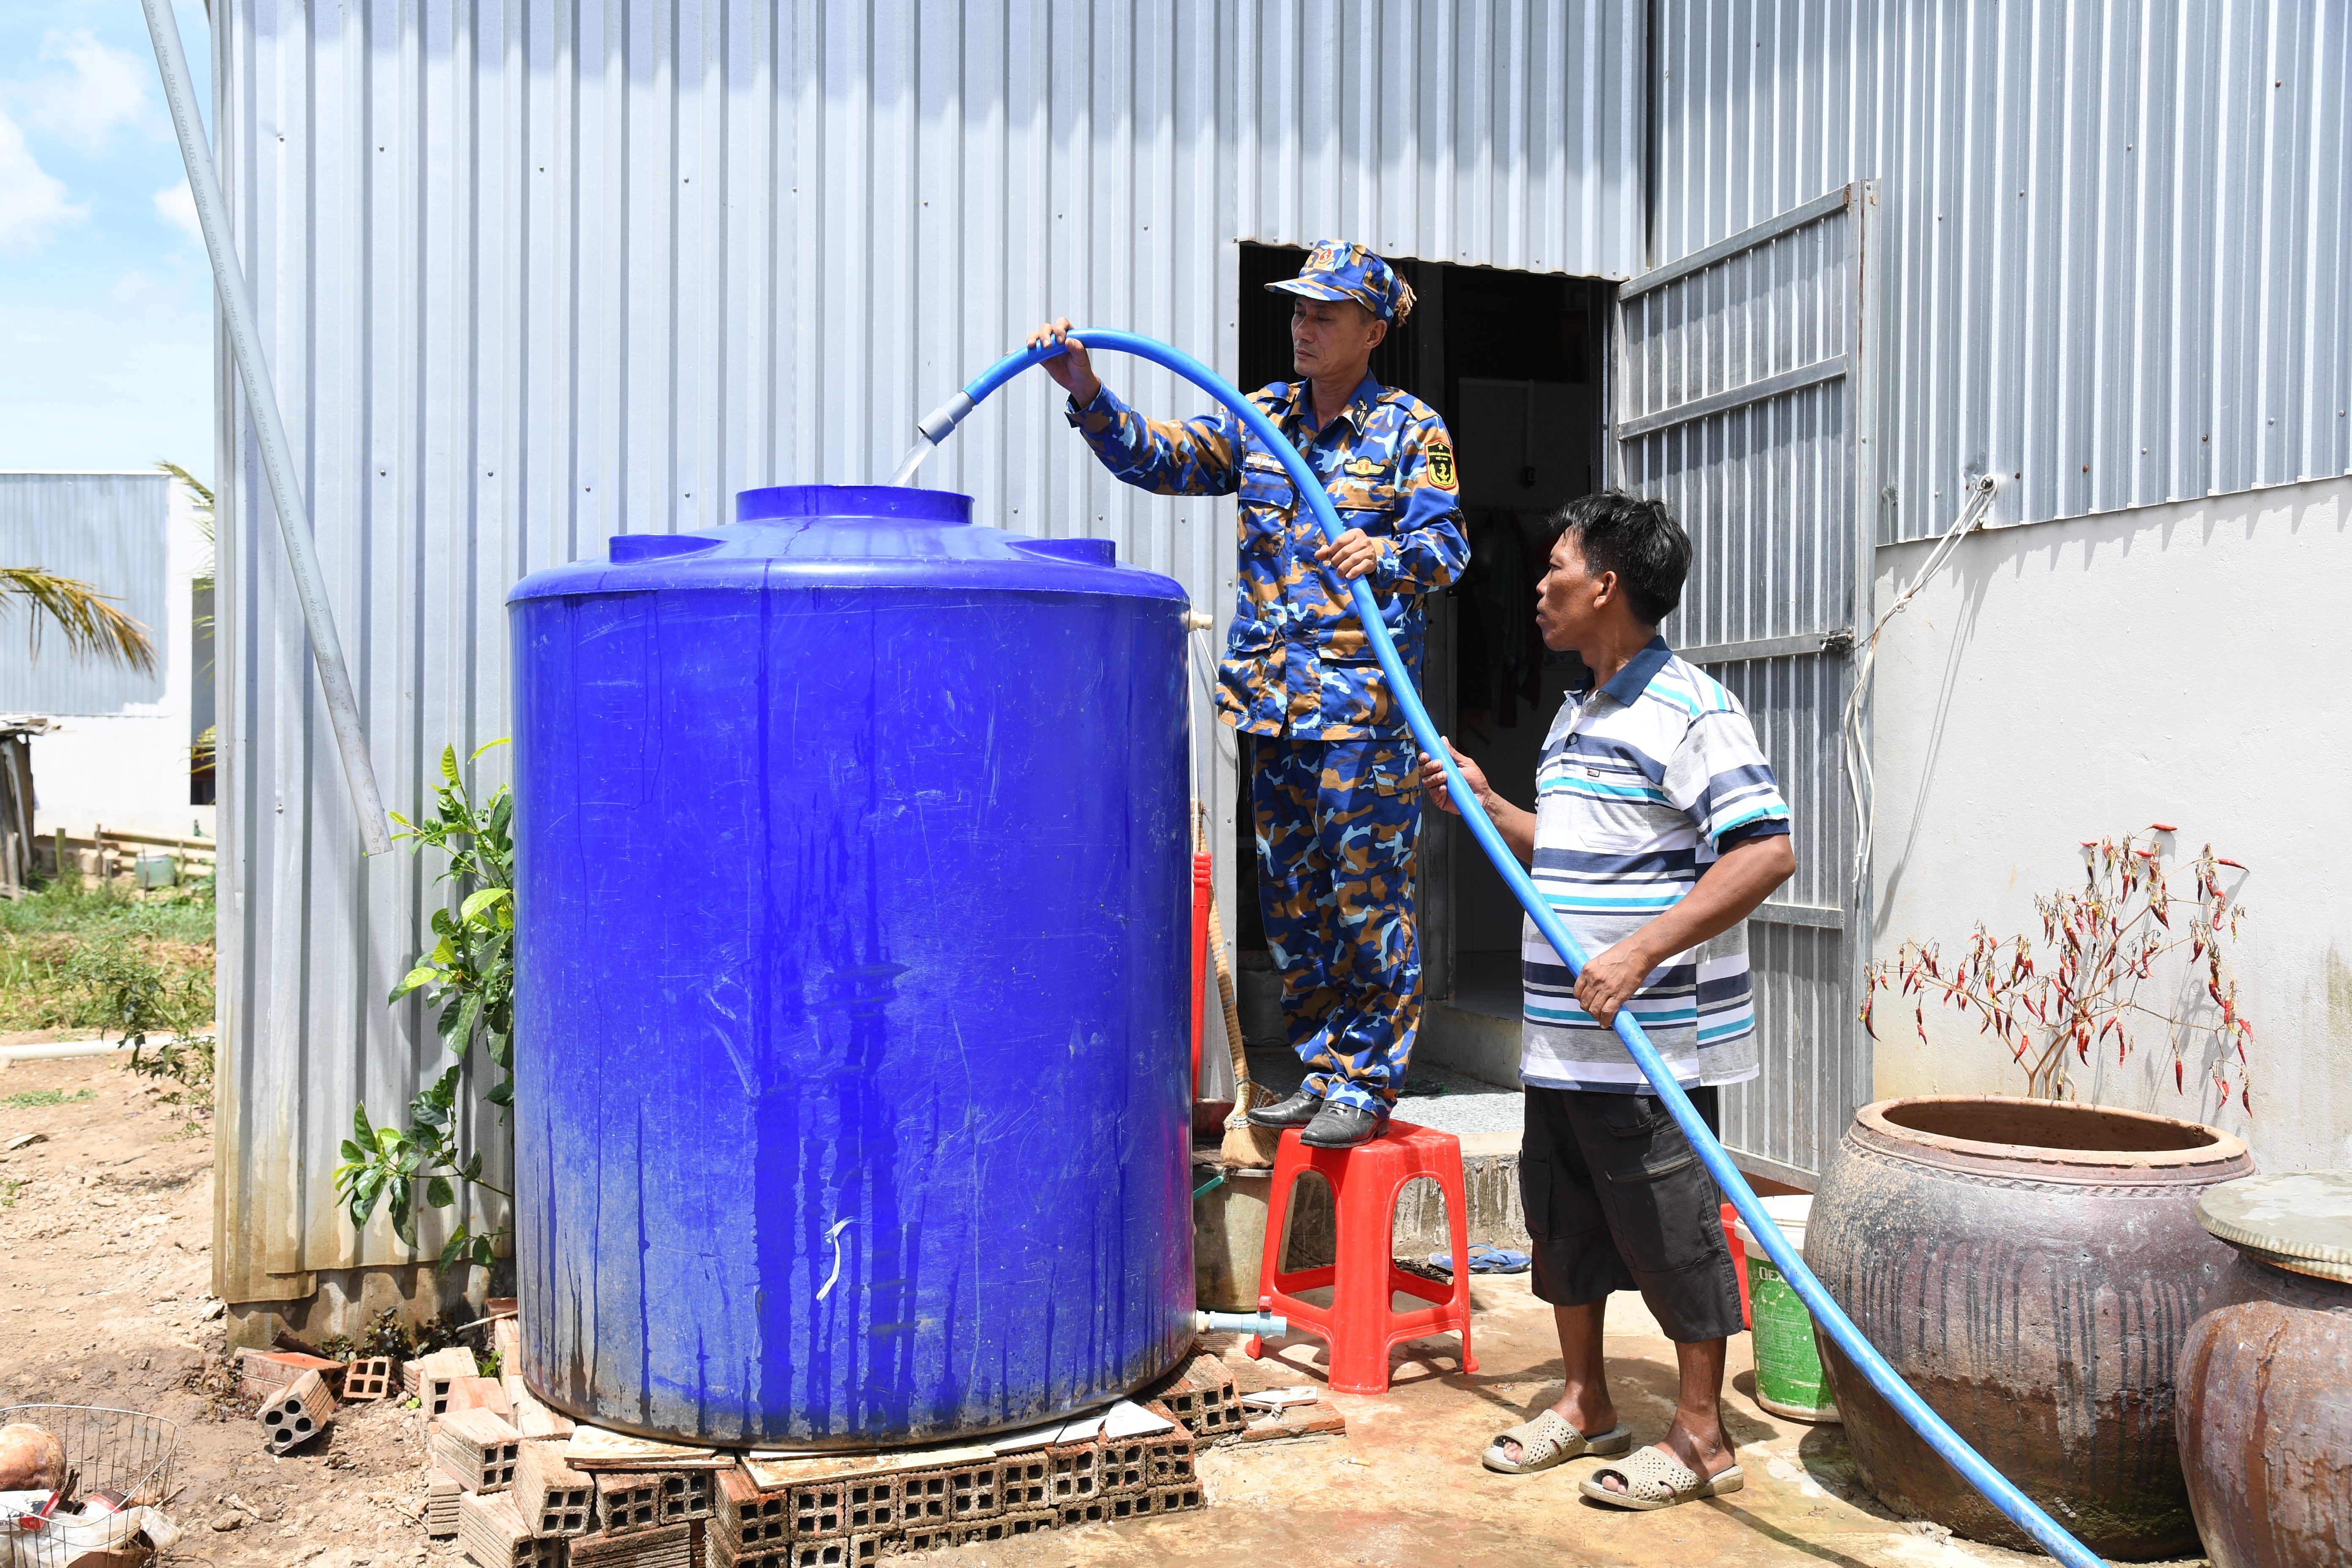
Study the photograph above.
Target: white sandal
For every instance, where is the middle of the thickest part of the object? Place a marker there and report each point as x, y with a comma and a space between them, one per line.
1655, 1478
1548, 1439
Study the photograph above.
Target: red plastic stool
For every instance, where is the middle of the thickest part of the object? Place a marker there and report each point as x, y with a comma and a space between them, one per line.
1360, 1325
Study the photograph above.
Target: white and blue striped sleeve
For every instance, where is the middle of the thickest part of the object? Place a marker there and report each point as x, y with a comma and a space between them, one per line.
1719, 778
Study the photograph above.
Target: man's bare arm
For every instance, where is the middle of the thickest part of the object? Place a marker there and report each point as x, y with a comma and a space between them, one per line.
1517, 828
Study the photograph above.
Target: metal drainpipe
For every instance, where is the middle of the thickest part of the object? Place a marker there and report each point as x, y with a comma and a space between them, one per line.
270, 430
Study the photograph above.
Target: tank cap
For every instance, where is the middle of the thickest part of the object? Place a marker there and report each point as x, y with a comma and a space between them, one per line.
2297, 1220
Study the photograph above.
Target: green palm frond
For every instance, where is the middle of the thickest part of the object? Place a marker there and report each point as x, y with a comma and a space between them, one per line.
201, 491
88, 619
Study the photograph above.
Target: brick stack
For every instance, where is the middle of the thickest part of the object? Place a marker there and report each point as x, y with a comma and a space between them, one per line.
519, 1504
1200, 1396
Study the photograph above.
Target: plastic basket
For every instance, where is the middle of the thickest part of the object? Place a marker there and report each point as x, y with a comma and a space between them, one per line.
124, 1451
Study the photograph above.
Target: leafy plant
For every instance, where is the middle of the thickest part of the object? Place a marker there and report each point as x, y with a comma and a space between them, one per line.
2101, 946
469, 973
388, 1334
135, 996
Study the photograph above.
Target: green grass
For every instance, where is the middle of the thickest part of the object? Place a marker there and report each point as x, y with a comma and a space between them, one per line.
9, 1188
60, 944
112, 909
31, 1097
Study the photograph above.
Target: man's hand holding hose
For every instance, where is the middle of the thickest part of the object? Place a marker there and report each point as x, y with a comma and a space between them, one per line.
1352, 555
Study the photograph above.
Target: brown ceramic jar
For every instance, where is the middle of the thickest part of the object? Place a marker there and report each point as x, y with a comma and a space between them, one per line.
2265, 1404
2031, 1269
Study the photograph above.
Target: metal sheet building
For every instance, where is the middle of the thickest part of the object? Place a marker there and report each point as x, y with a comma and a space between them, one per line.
534, 274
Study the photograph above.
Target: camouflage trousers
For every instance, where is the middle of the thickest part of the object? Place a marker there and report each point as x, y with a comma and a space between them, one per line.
1336, 822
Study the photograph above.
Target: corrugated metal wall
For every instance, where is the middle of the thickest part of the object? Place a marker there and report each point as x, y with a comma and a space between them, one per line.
531, 275
1746, 378
106, 529
2116, 235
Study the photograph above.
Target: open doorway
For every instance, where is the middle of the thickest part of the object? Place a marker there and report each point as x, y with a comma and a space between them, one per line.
1513, 361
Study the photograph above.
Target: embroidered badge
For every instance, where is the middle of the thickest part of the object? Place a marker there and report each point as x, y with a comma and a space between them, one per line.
1441, 465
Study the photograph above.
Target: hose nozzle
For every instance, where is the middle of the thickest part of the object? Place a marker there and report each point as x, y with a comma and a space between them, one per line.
940, 422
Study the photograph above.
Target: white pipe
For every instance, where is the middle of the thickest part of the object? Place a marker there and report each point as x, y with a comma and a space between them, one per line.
270, 430
55, 1050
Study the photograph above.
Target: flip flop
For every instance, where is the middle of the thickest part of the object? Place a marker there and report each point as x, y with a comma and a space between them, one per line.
1654, 1479
1548, 1439
1483, 1260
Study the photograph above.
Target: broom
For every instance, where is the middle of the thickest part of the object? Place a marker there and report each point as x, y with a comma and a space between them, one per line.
1245, 1144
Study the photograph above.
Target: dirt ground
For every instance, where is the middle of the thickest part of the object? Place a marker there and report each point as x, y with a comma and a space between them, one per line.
105, 1239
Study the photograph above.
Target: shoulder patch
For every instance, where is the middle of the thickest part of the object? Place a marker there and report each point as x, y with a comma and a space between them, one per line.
1441, 464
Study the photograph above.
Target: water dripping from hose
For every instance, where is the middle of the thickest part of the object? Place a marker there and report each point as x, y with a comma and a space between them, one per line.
912, 460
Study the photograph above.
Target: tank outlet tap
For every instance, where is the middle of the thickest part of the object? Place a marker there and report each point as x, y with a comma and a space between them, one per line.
1199, 620
1265, 1325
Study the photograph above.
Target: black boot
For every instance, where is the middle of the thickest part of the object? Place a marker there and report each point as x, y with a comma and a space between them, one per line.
1337, 1126
1297, 1111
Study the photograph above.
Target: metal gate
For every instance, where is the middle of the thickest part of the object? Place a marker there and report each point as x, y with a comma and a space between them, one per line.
1746, 402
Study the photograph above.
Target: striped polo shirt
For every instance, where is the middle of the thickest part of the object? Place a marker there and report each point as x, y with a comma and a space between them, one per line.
1644, 782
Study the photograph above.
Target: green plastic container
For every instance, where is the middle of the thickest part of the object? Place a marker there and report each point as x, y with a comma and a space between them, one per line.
1789, 1377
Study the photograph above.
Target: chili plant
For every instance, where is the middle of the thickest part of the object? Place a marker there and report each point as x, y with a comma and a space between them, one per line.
2082, 989
469, 972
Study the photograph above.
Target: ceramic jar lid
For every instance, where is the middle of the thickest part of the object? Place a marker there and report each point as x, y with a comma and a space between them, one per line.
2300, 1221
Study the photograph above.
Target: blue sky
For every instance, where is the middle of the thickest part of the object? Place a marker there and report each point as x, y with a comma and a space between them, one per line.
105, 296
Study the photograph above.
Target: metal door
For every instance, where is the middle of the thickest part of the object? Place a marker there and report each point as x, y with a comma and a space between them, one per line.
1746, 402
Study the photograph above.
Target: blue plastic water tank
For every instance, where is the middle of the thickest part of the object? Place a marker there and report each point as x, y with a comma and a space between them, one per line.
851, 1069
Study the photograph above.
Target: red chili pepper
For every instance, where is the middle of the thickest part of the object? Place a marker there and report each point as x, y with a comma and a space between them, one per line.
2232, 863
2179, 1083
2162, 828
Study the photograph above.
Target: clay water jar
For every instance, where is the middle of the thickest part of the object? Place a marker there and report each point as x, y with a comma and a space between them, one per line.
2265, 1404
2031, 1269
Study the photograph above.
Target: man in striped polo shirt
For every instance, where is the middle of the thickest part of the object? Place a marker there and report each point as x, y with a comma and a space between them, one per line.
1658, 828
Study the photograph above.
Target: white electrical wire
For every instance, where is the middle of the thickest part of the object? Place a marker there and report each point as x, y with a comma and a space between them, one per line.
1859, 782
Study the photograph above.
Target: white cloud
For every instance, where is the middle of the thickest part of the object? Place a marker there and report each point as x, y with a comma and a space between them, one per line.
176, 207
32, 200
100, 89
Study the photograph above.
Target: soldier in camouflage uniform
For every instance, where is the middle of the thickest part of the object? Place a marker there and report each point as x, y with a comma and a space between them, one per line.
1334, 777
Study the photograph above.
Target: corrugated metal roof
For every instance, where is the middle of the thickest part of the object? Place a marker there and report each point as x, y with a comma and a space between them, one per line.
532, 275
103, 528
2116, 236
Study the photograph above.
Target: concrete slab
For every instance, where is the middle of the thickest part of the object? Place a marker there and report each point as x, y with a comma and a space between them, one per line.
1404, 1487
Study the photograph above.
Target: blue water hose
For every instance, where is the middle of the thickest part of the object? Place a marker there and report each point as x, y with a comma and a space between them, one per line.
1931, 1426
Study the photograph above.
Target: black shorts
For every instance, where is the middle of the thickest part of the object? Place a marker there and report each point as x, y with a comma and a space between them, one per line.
1616, 1199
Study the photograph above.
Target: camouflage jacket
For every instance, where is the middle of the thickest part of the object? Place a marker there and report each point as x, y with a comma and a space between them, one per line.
1295, 661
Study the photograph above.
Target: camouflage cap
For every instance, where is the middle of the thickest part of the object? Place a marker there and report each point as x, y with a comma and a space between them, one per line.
1336, 269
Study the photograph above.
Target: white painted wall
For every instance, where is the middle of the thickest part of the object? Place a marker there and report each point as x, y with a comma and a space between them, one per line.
2186, 664
127, 772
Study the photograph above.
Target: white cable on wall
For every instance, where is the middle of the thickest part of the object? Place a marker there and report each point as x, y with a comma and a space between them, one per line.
1858, 780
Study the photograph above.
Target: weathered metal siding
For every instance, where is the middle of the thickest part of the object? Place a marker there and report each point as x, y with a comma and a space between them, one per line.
531, 275
2116, 236
1486, 132
1746, 386
106, 529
